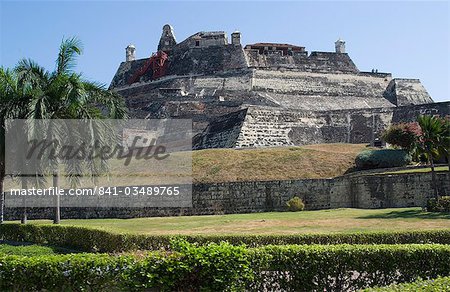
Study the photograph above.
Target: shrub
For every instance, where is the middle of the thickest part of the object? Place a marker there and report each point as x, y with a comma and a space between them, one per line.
345, 267
223, 267
385, 158
92, 240
442, 204
295, 204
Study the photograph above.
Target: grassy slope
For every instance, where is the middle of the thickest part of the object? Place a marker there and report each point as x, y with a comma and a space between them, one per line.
314, 161
323, 221
224, 165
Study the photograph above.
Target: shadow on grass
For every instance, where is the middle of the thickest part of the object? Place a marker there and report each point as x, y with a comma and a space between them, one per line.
30, 249
419, 214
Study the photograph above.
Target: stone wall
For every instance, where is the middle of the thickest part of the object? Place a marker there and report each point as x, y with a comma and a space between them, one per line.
315, 62
369, 191
319, 84
276, 127
403, 92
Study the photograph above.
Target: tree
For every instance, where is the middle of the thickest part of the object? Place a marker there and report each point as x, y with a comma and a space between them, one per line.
444, 143
429, 141
64, 94
403, 135
12, 105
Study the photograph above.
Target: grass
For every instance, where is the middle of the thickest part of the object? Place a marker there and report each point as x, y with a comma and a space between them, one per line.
417, 170
313, 161
29, 250
322, 221
440, 284
226, 165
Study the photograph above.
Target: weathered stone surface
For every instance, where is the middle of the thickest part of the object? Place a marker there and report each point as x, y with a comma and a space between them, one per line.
268, 126
407, 92
371, 191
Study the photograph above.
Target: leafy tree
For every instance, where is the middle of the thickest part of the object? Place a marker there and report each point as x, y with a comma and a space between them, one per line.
403, 135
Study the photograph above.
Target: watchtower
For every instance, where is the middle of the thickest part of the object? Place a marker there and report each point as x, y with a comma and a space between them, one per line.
167, 41
130, 51
236, 38
340, 46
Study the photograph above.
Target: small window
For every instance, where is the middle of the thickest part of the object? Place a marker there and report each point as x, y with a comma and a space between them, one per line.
197, 43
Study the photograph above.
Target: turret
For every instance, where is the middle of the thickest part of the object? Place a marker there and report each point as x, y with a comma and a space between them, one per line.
340, 46
130, 51
167, 41
236, 38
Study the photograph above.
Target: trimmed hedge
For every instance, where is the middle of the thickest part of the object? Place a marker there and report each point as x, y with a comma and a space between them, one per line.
223, 267
385, 158
440, 284
94, 240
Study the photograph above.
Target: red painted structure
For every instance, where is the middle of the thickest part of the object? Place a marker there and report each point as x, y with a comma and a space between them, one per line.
157, 63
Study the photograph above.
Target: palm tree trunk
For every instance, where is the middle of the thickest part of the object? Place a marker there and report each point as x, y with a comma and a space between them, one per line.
24, 219
57, 218
433, 177
448, 161
2, 199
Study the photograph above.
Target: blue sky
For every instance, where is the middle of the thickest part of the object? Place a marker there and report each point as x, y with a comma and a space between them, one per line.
409, 39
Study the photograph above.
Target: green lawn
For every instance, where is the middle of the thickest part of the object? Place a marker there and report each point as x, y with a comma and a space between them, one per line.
323, 221
416, 170
29, 250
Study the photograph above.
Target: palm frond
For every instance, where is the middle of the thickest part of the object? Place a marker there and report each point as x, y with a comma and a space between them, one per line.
68, 52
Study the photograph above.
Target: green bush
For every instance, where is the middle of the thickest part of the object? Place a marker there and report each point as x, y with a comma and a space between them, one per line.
442, 204
295, 204
440, 284
93, 240
223, 267
212, 267
385, 158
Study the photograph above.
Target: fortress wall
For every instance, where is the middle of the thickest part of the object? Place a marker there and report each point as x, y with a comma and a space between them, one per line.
222, 132
125, 72
265, 127
319, 84
403, 92
411, 91
207, 60
371, 191
242, 82
325, 103
315, 62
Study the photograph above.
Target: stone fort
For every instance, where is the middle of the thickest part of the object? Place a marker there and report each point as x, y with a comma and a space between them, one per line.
262, 95
266, 94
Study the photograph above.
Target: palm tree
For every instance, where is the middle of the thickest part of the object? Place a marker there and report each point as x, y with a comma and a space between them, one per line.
444, 145
64, 94
12, 106
429, 142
